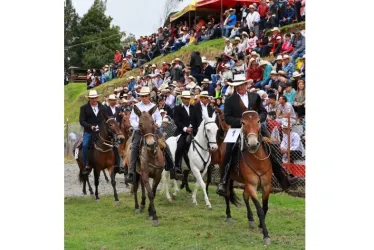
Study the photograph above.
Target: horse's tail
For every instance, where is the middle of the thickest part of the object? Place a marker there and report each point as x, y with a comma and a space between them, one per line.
234, 199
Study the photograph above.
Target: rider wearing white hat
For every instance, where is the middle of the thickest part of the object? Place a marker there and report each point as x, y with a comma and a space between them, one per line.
144, 106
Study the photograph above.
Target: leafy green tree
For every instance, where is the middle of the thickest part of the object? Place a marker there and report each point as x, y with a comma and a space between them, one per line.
71, 20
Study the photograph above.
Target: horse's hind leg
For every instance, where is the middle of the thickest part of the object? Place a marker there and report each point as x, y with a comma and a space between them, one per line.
113, 181
249, 211
135, 189
260, 212
105, 176
228, 211
84, 187
142, 204
209, 178
265, 198
96, 176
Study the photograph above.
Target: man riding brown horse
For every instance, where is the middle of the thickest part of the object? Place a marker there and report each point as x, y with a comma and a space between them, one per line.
144, 106
234, 106
89, 119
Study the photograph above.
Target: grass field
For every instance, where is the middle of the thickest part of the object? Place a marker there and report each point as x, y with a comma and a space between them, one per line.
92, 225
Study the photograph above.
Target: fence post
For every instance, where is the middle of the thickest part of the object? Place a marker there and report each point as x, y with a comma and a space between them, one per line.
67, 137
289, 139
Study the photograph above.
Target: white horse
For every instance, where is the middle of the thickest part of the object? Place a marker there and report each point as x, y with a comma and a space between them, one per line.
199, 156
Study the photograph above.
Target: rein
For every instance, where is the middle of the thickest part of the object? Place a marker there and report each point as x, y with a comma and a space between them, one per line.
104, 141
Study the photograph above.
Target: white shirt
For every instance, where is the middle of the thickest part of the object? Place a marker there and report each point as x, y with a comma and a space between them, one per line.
228, 50
134, 119
187, 108
113, 109
95, 109
296, 144
244, 99
170, 100
252, 17
204, 109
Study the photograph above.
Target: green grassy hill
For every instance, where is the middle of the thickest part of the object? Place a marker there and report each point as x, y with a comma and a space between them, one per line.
75, 92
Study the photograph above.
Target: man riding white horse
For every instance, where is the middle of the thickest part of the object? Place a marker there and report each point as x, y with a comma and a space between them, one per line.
145, 105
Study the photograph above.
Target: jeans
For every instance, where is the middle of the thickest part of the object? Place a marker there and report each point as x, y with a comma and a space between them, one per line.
86, 142
226, 30
215, 78
296, 55
261, 84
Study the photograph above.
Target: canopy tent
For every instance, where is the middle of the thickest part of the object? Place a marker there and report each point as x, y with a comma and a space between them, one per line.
216, 4
185, 13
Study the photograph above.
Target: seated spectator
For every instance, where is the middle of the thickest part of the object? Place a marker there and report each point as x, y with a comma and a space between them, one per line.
288, 66
278, 63
117, 57
288, 16
271, 123
219, 103
229, 22
296, 146
270, 21
208, 70
273, 84
295, 78
254, 72
228, 47
235, 30
289, 93
265, 65
302, 67
284, 110
227, 73
265, 50
217, 91
298, 44
272, 105
299, 103
199, 23
278, 47
287, 45
252, 41
153, 51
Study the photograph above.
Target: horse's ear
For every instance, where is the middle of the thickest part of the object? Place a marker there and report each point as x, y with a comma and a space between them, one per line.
152, 110
137, 111
214, 116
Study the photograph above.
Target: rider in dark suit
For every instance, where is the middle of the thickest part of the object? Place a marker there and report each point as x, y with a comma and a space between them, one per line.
233, 113
183, 117
203, 104
89, 118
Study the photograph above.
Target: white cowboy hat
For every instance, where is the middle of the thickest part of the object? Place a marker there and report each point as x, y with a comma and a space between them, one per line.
273, 72
185, 94
191, 85
123, 101
251, 7
281, 72
174, 83
204, 94
144, 91
92, 94
296, 74
204, 61
165, 120
286, 57
279, 37
112, 97
120, 89
128, 54
237, 38
206, 80
198, 87
153, 66
227, 66
234, 84
263, 62
244, 33
131, 77
177, 59
125, 95
138, 86
279, 57
227, 40
253, 53
275, 29
138, 52
303, 57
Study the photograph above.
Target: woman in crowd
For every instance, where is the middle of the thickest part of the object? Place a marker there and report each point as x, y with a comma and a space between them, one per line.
299, 101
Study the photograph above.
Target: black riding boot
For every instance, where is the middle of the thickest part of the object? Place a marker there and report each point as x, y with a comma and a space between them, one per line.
229, 160
118, 161
221, 188
134, 155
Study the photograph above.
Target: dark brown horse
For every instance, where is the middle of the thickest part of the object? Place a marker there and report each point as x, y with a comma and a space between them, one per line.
102, 156
254, 171
151, 162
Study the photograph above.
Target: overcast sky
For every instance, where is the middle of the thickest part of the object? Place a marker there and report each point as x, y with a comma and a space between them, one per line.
140, 17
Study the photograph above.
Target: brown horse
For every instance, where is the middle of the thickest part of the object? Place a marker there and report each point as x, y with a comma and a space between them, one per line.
254, 170
127, 130
102, 156
151, 163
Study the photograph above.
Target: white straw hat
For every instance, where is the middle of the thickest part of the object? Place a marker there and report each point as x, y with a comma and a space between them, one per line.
92, 94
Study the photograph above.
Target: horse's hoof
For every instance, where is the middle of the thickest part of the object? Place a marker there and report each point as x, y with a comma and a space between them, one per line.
91, 193
84, 193
116, 203
137, 211
267, 241
229, 220
251, 224
209, 207
142, 208
150, 218
169, 199
155, 223
189, 190
97, 200
261, 230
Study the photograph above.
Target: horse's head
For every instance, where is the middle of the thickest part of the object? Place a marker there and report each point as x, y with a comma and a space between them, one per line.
147, 127
112, 127
221, 120
210, 131
251, 126
126, 127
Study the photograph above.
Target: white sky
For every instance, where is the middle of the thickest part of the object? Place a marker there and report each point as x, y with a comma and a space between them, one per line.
140, 17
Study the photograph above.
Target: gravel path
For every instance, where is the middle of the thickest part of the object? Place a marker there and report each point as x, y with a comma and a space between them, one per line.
74, 188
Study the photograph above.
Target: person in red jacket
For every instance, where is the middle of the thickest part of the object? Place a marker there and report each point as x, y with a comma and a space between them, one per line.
265, 50
254, 72
262, 10
117, 57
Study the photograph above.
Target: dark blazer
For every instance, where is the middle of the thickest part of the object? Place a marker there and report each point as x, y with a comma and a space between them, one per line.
198, 116
116, 114
182, 119
208, 71
87, 117
233, 112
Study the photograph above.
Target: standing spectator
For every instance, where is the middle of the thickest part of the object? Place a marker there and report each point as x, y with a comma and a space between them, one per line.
270, 21
117, 57
262, 11
199, 23
231, 21
253, 19
298, 10
274, 8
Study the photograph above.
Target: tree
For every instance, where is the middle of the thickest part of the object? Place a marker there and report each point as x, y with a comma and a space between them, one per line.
71, 20
97, 40
128, 39
169, 7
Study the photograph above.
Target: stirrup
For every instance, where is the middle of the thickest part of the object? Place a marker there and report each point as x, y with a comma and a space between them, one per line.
86, 170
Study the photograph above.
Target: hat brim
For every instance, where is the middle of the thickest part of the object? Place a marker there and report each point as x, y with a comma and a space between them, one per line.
144, 94
207, 96
92, 96
234, 84
184, 96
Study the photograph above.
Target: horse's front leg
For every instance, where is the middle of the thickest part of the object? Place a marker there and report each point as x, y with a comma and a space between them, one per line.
96, 176
200, 182
113, 181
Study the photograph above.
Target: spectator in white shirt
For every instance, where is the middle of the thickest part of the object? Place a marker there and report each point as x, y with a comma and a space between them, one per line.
228, 47
284, 109
253, 19
296, 146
